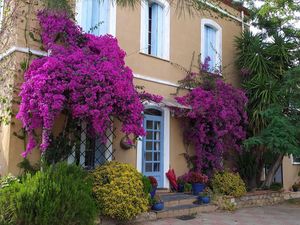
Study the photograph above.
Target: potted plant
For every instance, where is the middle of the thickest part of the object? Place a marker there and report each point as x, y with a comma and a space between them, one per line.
187, 188
198, 181
154, 184
296, 187
157, 203
205, 196
180, 183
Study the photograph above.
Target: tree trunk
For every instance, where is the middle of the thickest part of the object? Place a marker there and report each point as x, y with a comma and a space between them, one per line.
271, 173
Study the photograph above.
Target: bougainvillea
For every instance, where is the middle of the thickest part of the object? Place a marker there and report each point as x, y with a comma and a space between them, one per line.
85, 75
216, 122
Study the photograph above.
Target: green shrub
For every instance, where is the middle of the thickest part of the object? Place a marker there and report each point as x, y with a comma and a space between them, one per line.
119, 191
276, 186
227, 183
61, 195
8, 180
8, 196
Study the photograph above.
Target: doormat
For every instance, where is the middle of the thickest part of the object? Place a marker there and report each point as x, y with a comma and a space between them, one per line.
188, 217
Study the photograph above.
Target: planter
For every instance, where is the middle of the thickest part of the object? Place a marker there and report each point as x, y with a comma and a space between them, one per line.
295, 189
205, 199
180, 187
158, 206
197, 188
152, 193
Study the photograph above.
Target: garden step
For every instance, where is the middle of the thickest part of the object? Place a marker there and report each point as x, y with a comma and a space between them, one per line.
185, 210
177, 199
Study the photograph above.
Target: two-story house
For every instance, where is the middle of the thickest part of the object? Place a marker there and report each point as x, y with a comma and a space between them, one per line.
155, 38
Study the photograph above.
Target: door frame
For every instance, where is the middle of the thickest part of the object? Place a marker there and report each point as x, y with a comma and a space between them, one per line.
166, 144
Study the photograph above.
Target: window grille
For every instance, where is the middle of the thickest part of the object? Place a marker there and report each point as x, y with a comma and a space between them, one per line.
91, 152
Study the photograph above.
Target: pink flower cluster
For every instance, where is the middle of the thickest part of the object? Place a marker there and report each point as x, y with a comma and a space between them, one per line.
85, 75
216, 123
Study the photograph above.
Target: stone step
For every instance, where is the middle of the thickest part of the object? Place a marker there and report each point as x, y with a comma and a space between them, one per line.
185, 210
177, 199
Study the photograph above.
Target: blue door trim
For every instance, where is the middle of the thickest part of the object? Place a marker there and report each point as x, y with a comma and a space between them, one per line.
155, 154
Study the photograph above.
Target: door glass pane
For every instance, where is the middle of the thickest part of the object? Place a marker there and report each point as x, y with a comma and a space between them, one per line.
157, 146
149, 125
156, 167
156, 156
148, 156
149, 135
157, 136
157, 125
148, 167
149, 145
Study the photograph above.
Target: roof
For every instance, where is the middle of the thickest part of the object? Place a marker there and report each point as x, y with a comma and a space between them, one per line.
236, 6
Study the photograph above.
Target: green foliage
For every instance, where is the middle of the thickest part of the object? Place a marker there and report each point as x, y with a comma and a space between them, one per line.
119, 191
225, 203
276, 186
187, 187
8, 198
61, 5
26, 166
247, 166
8, 180
147, 185
61, 195
229, 184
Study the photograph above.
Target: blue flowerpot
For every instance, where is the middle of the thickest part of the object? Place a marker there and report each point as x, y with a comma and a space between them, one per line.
205, 199
197, 188
152, 193
158, 206
199, 199
180, 188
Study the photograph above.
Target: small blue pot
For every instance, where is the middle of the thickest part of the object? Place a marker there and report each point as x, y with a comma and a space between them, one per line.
180, 188
197, 188
158, 206
152, 193
205, 199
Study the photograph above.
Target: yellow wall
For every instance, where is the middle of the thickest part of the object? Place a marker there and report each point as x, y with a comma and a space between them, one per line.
185, 39
290, 173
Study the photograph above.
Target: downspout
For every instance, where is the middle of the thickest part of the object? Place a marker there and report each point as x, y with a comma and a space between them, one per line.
243, 20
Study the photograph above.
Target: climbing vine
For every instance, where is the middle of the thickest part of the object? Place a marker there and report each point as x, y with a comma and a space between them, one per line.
217, 120
84, 77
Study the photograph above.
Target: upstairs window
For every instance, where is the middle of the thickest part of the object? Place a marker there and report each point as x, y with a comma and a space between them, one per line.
96, 16
155, 28
211, 44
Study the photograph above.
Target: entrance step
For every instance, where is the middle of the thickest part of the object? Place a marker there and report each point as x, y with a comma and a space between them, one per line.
177, 199
185, 210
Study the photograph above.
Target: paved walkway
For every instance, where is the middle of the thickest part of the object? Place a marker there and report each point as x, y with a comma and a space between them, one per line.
269, 215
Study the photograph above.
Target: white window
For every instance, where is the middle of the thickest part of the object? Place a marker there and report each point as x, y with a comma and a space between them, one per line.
155, 28
97, 17
211, 44
1, 12
295, 160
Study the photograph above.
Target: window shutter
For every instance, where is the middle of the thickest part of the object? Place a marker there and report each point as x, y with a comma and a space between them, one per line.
211, 46
157, 30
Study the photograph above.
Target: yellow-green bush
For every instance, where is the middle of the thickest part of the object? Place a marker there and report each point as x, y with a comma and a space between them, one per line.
118, 189
227, 183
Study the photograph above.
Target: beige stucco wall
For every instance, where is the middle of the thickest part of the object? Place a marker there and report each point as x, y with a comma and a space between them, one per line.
290, 173
185, 39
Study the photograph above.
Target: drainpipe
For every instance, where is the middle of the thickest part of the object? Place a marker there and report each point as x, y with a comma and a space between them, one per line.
243, 22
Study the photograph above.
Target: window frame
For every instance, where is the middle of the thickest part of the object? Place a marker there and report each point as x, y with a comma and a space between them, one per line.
293, 160
112, 15
218, 28
144, 37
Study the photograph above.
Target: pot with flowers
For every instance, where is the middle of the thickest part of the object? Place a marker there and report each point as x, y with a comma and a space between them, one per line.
153, 182
157, 203
205, 196
198, 181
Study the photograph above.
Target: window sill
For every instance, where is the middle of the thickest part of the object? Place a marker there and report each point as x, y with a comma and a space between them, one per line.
154, 57
296, 163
